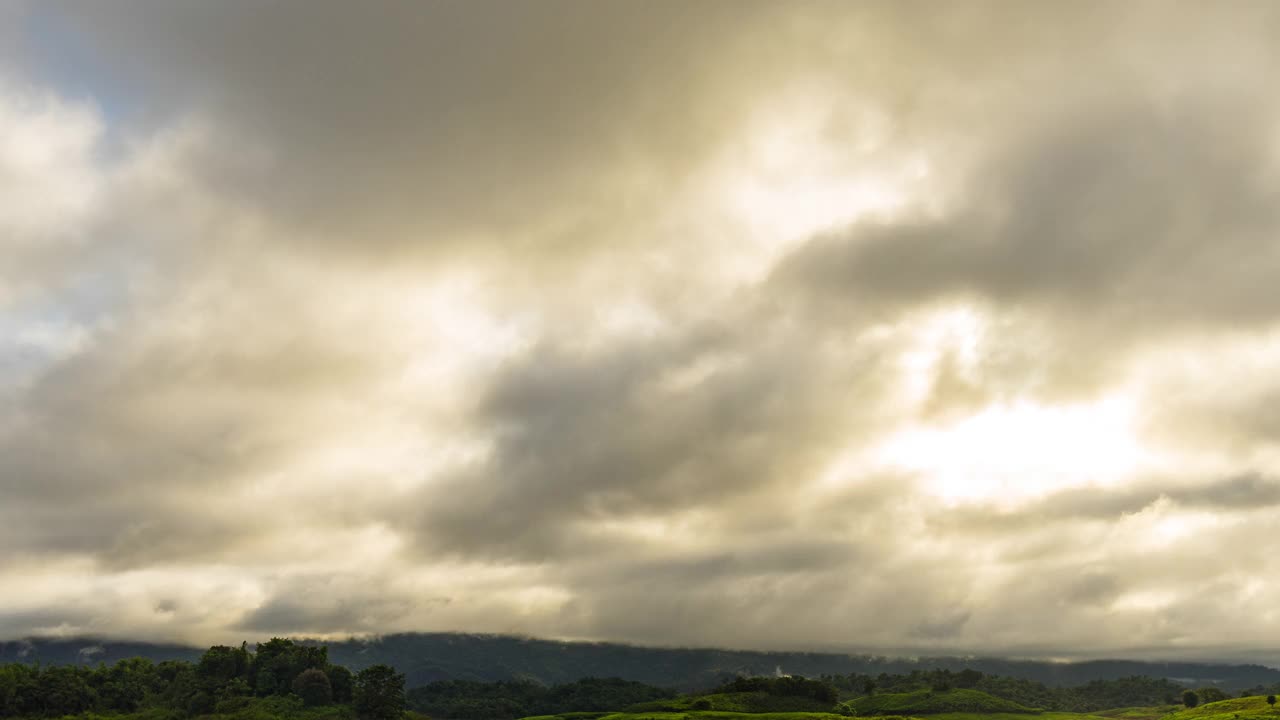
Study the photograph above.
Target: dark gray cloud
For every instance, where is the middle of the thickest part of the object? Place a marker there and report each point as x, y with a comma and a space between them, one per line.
411, 126
1119, 222
1242, 493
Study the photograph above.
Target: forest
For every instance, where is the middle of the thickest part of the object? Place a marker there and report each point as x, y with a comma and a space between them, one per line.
284, 679
279, 678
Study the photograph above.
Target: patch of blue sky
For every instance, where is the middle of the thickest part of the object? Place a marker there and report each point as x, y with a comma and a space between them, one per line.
48, 328
60, 59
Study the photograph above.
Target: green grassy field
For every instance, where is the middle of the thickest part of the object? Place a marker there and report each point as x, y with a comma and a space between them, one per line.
1248, 708
1138, 713
721, 715
741, 702
1015, 716
929, 702
926, 707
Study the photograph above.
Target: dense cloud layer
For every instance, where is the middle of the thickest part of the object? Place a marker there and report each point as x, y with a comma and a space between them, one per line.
882, 326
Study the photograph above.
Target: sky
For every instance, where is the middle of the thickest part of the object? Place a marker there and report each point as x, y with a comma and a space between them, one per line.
898, 326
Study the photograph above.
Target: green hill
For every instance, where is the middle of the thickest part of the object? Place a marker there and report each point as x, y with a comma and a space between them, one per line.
738, 702
714, 715
1138, 713
930, 702
1247, 708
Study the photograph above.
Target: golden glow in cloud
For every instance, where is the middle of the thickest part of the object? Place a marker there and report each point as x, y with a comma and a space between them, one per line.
834, 320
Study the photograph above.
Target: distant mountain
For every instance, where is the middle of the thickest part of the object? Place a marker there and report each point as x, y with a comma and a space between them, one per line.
425, 657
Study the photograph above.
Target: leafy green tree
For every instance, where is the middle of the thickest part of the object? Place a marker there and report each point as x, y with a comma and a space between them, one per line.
968, 678
18, 692
313, 687
1210, 695
1271, 700
272, 669
221, 663
339, 683
124, 686
1190, 699
64, 691
378, 693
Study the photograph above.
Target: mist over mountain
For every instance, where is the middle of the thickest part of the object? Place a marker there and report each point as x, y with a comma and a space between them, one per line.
428, 657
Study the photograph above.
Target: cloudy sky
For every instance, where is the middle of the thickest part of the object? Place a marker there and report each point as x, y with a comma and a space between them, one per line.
889, 325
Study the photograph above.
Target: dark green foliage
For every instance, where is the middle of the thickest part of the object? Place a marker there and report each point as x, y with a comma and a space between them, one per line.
1271, 700
784, 686
1210, 694
1094, 696
124, 686
968, 678
502, 700
217, 682
18, 694
340, 683
221, 663
1190, 699
597, 694
64, 691
278, 661
312, 685
378, 693
701, 704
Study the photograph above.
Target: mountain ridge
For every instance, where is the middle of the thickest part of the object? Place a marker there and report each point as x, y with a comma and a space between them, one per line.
426, 657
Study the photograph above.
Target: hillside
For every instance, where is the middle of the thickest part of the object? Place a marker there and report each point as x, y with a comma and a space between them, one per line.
452, 656
743, 702
930, 702
1247, 708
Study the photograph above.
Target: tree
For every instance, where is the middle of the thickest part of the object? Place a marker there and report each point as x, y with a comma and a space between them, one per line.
123, 686
64, 691
313, 687
340, 683
968, 678
1190, 699
378, 693
1271, 700
1210, 695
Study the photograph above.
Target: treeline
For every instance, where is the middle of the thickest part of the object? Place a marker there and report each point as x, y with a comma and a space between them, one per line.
788, 686
427, 657
225, 680
1090, 697
504, 700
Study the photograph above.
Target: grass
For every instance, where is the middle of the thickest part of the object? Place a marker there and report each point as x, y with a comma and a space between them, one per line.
1138, 713
1017, 716
743, 702
929, 702
1247, 708
924, 702
720, 715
